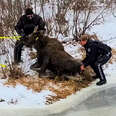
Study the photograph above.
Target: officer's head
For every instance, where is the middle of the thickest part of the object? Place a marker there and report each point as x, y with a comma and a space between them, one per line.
83, 39
29, 13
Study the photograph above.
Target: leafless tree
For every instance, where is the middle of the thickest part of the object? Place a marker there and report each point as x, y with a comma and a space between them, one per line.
83, 17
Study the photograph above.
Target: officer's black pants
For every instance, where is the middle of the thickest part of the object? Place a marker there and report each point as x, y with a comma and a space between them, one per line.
17, 50
97, 66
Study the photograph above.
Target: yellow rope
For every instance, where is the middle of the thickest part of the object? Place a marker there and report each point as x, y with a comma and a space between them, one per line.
3, 65
10, 37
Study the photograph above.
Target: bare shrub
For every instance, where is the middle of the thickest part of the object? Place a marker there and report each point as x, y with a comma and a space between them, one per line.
10, 10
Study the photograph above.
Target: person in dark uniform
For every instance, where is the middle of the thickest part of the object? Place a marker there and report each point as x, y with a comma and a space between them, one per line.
24, 27
97, 54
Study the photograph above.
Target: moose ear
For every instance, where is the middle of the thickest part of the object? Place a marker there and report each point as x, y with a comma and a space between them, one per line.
35, 29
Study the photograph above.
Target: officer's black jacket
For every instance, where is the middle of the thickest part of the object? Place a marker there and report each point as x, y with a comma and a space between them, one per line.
26, 26
94, 49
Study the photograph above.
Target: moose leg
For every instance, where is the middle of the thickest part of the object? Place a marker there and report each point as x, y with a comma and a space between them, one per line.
44, 66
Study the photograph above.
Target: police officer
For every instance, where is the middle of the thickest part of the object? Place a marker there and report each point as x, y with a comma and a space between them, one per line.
24, 27
97, 54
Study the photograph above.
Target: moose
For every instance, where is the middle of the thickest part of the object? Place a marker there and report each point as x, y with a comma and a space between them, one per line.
53, 56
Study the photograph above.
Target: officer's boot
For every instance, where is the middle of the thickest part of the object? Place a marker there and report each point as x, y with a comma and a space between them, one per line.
101, 75
35, 66
101, 82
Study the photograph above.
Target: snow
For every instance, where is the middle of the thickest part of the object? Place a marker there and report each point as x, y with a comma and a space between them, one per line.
73, 50
106, 31
20, 96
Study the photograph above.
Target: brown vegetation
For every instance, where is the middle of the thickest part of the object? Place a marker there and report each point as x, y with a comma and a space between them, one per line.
62, 89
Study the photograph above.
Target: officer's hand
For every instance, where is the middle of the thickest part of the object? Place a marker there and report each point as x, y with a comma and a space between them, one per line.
82, 67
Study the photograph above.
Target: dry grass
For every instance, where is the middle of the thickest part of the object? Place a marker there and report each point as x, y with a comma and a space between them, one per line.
62, 89
113, 59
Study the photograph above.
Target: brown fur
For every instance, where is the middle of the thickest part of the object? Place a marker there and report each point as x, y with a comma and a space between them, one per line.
54, 58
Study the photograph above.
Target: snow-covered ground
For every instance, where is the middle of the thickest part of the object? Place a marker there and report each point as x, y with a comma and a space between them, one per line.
20, 96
